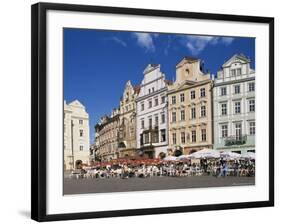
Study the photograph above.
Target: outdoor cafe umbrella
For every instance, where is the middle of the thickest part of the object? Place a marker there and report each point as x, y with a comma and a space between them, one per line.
170, 158
205, 153
183, 157
248, 155
230, 155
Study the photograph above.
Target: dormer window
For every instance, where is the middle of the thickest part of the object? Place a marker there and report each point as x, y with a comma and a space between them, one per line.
233, 72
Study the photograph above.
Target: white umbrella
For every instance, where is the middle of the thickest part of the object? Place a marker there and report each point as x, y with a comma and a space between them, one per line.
249, 155
205, 153
183, 157
170, 158
230, 155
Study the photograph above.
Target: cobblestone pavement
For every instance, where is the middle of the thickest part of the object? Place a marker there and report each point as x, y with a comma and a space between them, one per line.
80, 186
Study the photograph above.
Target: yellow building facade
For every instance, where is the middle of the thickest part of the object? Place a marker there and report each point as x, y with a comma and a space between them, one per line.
190, 108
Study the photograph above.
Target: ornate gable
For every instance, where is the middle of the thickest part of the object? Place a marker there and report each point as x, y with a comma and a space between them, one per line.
237, 58
76, 103
150, 67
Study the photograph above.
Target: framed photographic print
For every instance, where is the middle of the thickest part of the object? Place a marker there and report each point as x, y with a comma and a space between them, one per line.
138, 111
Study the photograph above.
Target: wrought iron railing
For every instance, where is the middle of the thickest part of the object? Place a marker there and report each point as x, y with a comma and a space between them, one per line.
235, 140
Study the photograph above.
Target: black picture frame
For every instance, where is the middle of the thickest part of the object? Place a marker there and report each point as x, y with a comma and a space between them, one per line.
39, 115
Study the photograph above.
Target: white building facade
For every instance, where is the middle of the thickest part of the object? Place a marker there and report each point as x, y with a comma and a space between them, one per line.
151, 119
234, 106
76, 134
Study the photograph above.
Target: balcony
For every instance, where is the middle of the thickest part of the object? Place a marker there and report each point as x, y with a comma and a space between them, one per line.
239, 141
151, 128
235, 140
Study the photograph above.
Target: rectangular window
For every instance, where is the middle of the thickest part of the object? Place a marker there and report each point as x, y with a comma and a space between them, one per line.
223, 91
233, 72
192, 94
141, 139
80, 121
146, 138
163, 118
156, 121
149, 103
193, 113
252, 105
142, 106
224, 131
182, 115
81, 147
203, 135
251, 87
223, 109
193, 136
163, 99
81, 133
239, 71
150, 122
182, 97
156, 102
183, 137
174, 100
238, 131
203, 111
174, 117
174, 138
202, 92
252, 127
155, 137
236, 89
142, 124
237, 107
163, 135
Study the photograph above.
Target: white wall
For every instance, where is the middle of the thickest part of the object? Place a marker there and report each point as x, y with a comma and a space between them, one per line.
15, 123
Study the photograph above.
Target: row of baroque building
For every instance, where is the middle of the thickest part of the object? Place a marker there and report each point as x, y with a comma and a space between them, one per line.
159, 117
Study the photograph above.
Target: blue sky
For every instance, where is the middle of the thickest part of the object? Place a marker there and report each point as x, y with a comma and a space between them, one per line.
98, 63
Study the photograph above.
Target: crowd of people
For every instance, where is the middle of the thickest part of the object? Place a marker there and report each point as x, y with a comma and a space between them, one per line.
153, 168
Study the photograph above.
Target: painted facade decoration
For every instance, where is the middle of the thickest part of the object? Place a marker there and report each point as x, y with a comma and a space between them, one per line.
127, 125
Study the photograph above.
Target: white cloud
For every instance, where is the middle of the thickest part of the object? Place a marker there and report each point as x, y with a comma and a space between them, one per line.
168, 45
145, 40
196, 44
119, 41
227, 40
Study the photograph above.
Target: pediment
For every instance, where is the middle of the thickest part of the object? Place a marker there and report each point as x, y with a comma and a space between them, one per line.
76, 103
237, 58
186, 83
